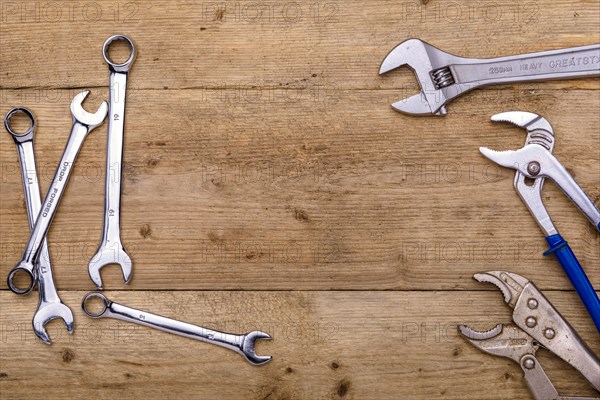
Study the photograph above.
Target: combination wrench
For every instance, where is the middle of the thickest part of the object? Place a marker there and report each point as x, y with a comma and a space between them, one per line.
83, 123
443, 76
241, 344
50, 306
111, 250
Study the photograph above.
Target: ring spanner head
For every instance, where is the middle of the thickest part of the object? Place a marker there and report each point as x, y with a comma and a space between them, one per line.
114, 66
430, 65
85, 118
20, 137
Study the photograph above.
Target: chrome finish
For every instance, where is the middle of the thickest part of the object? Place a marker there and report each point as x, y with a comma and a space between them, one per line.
111, 250
83, 123
551, 168
443, 76
241, 344
536, 324
50, 305
539, 132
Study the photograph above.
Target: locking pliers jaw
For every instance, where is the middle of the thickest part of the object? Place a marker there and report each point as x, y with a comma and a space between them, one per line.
536, 323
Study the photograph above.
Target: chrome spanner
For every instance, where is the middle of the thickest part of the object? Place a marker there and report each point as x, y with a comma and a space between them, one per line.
50, 306
443, 76
241, 344
110, 250
83, 123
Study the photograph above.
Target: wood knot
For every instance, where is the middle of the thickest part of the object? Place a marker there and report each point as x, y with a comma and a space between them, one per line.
343, 387
146, 231
67, 355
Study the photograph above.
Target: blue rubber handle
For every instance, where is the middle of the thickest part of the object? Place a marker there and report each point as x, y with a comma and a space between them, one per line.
560, 248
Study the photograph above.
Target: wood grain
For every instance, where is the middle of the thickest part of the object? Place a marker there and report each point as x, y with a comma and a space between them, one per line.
327, 345
304, 195
268, 184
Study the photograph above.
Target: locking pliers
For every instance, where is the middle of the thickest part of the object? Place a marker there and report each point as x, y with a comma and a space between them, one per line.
536, 324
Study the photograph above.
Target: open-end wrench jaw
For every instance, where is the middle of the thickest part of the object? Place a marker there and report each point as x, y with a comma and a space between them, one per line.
247, 347
47, 313
86, 118
107, 255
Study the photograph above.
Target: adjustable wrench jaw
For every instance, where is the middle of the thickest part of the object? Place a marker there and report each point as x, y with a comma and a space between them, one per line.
430, 66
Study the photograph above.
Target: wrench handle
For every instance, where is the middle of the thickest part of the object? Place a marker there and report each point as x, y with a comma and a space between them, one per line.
573, 62
33, 201
118, 311
559, 174
55, 191
565, 256
114, 158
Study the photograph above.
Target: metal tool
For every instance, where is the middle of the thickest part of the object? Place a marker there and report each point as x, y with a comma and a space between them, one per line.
535, 161
50, 306
537, 324
241, 344
443, 76
111, 250
83, 123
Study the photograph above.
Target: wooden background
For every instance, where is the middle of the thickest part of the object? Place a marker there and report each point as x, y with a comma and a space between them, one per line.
268, 184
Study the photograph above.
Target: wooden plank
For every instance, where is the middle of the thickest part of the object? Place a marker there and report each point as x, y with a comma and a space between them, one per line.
347, 202
327, 345
272, 44
304, 195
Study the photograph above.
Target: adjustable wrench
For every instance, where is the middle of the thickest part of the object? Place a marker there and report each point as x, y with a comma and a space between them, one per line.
443, 76
50, 306
83, 123
241, 344
110, 250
